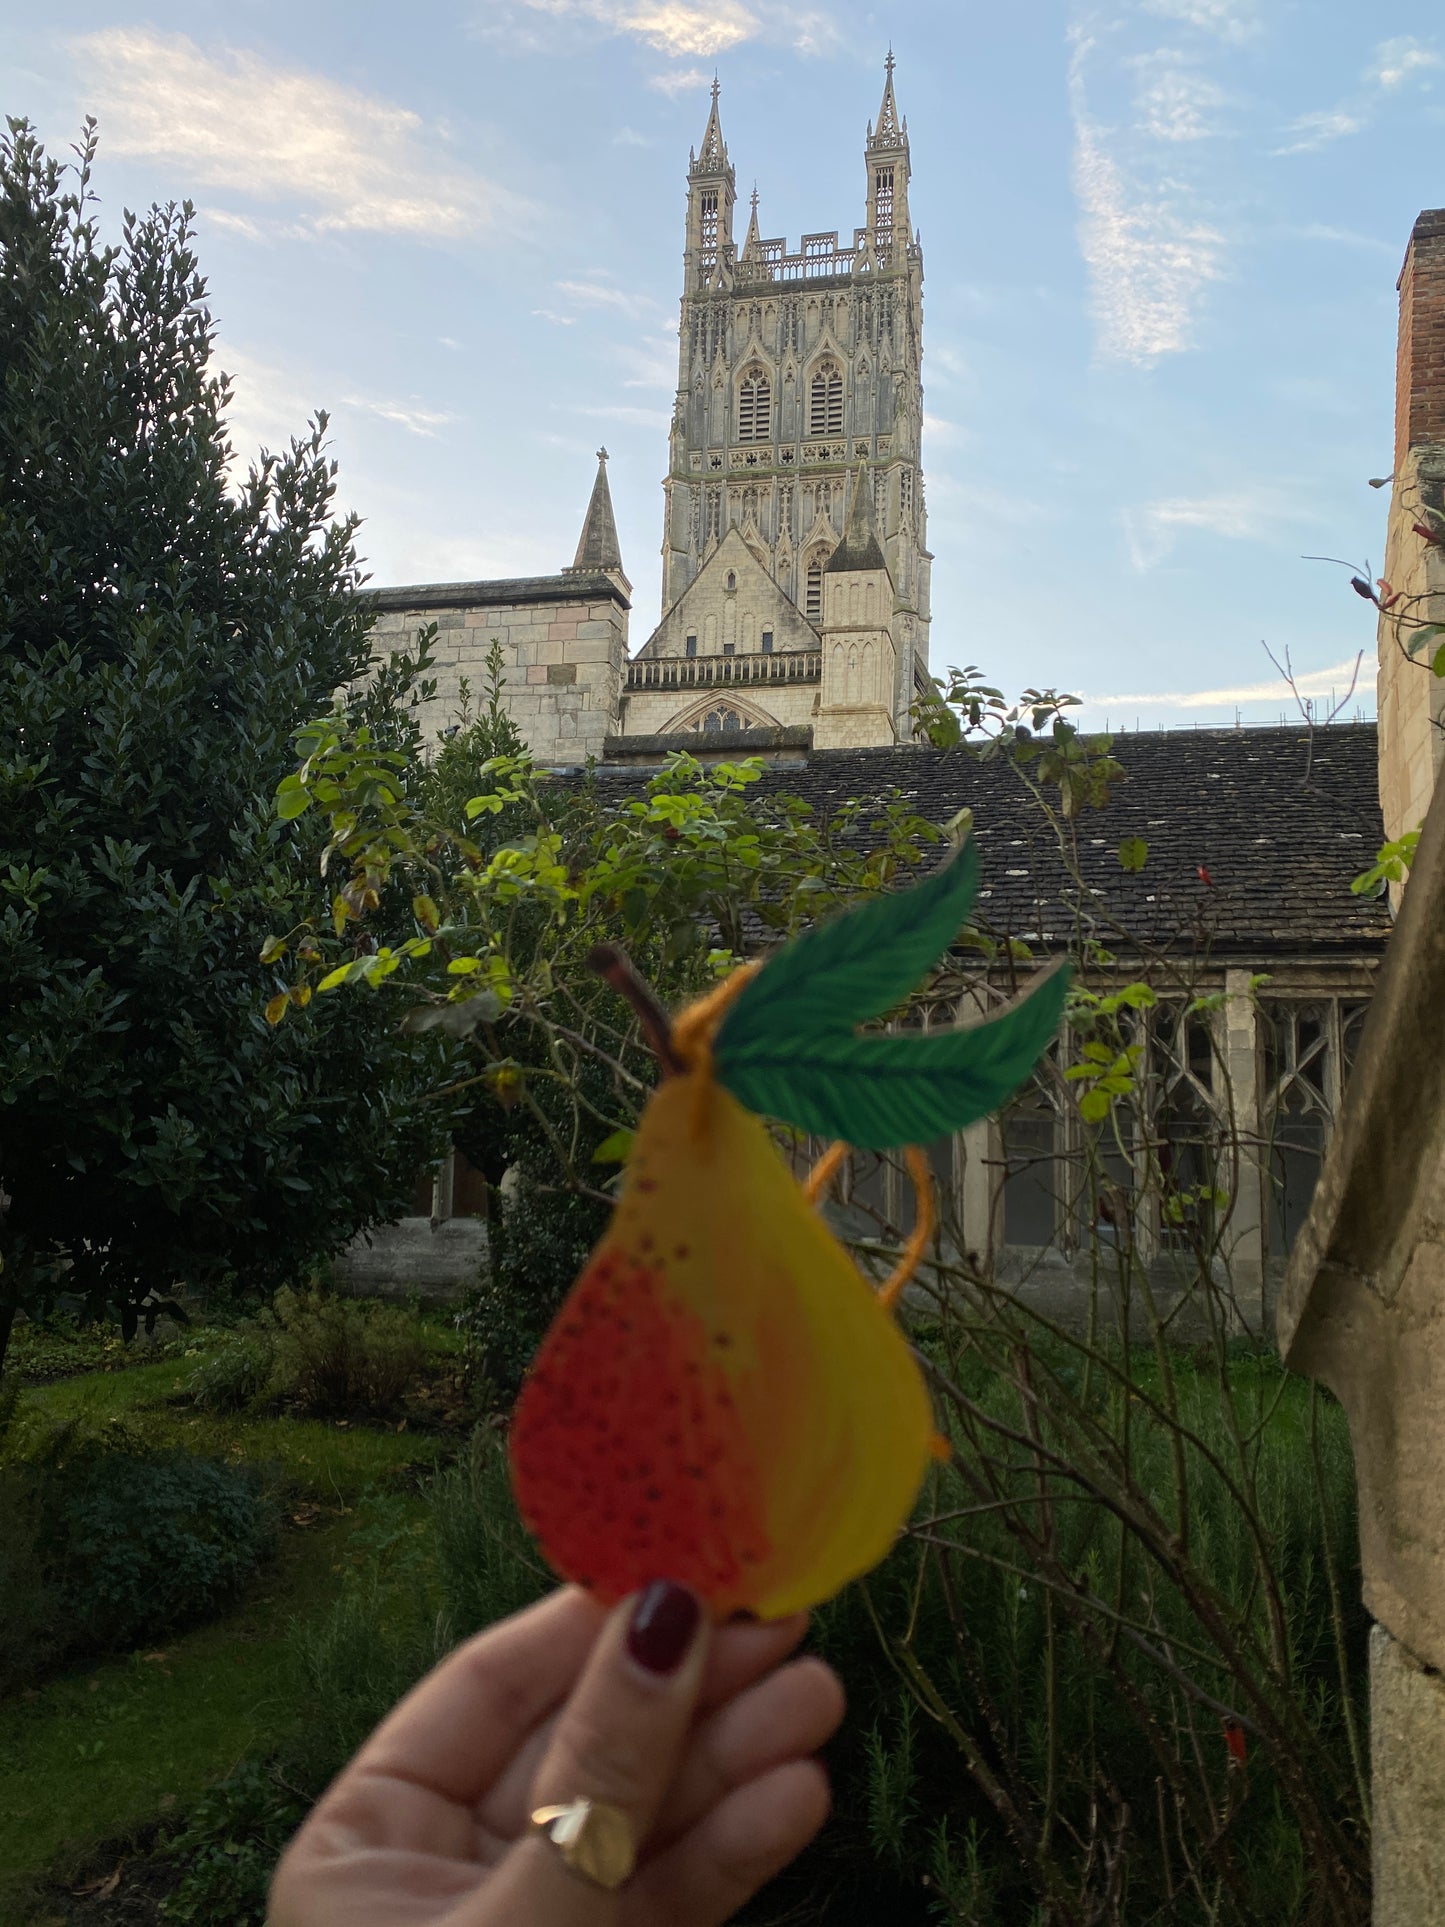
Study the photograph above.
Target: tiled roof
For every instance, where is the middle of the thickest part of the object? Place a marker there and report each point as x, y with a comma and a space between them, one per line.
1279, 851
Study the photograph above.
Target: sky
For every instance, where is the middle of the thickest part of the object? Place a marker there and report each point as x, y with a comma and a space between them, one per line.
1161, 240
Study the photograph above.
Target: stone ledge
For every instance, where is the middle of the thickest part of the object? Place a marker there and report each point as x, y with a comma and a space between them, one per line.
515, 593
712, 746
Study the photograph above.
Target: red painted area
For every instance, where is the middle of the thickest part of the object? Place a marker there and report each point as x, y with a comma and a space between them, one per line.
629, 1459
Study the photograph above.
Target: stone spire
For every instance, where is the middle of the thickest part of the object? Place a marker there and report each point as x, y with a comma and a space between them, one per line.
754, 238
598, 551
860, 547
712, 156
890, 131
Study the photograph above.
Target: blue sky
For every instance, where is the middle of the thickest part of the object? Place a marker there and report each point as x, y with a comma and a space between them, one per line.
1161, 241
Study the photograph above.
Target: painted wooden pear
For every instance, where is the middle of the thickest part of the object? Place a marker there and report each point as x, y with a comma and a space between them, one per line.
724, 1400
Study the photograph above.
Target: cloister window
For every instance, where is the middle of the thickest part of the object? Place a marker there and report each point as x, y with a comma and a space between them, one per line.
755, 408
825, 400
1030, 1186
1308, 1049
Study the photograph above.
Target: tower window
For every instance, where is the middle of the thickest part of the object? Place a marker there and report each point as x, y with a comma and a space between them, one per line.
732, 581
883, 203
767, 642
709, 230
755, 408
690, 646
825, 401
813, 597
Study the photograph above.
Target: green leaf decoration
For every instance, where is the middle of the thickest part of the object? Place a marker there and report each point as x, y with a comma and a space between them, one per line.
854, 968
789, 1047
880, 1092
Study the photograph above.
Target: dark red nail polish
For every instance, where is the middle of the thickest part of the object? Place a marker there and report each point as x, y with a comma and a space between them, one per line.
664, 1624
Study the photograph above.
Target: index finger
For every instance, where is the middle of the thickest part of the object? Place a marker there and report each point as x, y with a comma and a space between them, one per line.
455, 1732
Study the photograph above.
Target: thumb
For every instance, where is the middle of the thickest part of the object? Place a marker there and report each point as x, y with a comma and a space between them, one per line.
618, 1742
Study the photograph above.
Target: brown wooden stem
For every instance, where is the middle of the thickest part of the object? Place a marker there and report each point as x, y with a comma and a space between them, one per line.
616, 968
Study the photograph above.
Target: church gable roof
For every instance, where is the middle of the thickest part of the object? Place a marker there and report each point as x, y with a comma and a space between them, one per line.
757, 592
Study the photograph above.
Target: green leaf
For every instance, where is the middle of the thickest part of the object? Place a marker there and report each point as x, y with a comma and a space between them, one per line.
1421, 638
1133, 853
879, 1092
616, 1149
1437, 661
293, 799
852, 969
1094, 1106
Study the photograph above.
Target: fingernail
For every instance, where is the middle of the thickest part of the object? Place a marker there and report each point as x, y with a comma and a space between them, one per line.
664, 1623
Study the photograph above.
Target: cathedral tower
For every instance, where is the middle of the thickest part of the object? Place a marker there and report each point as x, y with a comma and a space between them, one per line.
799, 384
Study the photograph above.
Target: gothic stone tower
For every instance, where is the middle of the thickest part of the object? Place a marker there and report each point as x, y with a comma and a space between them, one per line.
795, 527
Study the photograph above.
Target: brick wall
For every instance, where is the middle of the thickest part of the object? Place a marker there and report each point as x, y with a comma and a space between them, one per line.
1411, 697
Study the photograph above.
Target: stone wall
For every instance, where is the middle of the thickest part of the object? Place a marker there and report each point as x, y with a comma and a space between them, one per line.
564, 644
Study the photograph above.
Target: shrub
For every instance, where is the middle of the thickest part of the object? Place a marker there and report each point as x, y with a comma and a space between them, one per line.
29, 1614
228, 1848
338, 1358
237, 1373
135, 1546
545, 1238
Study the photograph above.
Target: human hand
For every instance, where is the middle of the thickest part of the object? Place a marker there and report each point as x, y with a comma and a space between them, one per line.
702, 1737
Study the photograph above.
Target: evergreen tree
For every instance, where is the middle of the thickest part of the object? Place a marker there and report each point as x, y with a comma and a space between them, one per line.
165, 626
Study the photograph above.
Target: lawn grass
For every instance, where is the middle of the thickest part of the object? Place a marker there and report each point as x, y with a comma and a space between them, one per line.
100, 1750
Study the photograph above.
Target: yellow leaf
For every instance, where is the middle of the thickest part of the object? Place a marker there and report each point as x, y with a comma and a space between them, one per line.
301, 995
277, 1007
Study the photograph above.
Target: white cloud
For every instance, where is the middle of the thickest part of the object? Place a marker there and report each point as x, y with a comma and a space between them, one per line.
1397, 61
1394, 64
416, 421
1333, 681
1148, 260
550, 314
687, 29
681, 80
1257, 513
1233, 20
1174, 103
629, 137
678, 28
595, 294
351, 160
1314, 131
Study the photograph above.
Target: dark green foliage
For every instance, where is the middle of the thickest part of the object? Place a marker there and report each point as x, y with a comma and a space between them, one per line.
140, 1546
338, 1358
164, 628
236, 1373
228, 1847
544, 1241
102, 1550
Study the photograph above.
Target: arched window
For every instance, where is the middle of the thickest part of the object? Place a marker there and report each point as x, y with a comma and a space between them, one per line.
732, 581
690, 646
755, 407
720, 722
767, 642
813, 590
825, 400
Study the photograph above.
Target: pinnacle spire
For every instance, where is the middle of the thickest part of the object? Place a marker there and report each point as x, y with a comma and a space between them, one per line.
713, 154
754, 235
860, 547
598, 549
890, 131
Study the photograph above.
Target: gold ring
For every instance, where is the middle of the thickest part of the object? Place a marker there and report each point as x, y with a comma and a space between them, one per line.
594, 1840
